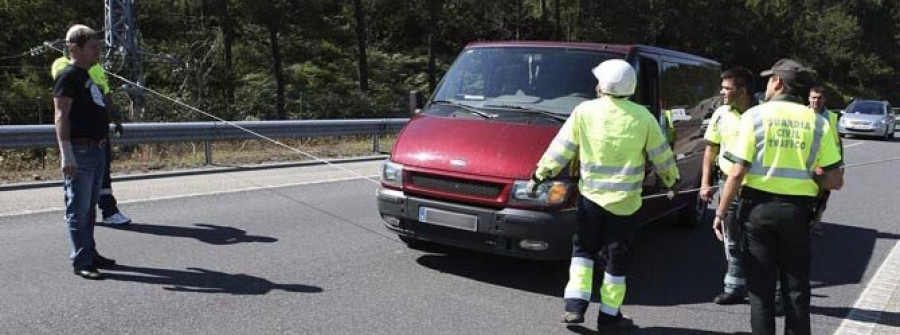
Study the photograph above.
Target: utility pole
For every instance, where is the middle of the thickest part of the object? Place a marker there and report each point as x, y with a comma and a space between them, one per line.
120, 19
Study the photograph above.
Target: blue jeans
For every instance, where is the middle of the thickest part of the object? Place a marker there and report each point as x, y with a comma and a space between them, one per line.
81, 195
735, 280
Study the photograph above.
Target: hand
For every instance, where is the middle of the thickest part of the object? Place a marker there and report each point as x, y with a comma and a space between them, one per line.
532, 186
70, 171
531, 189
717, 227
819, 171
118, 130
673, 190
706, 193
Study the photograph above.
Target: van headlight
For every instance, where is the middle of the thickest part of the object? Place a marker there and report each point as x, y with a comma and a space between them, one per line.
879, 123
550, 193
392, 174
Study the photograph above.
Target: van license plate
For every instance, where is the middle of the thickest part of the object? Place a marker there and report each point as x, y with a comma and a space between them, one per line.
448, 219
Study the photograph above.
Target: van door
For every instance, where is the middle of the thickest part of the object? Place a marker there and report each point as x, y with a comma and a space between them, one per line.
688, 91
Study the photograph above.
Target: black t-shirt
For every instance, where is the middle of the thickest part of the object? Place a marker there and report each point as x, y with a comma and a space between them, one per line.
87, 117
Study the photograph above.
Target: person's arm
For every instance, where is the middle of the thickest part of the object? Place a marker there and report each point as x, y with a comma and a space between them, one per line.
62, 106
709, 165
740, 153
729, 192
63, 91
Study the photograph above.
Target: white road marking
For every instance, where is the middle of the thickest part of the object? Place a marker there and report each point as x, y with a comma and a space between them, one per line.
252, 188
854, 144
866, 312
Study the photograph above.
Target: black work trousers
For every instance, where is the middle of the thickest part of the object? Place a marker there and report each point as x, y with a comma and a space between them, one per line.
778, 249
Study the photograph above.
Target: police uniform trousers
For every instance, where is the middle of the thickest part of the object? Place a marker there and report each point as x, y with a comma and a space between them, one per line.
602, 242
778, 248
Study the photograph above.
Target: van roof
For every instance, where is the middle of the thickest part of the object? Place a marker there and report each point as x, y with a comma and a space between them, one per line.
626, 49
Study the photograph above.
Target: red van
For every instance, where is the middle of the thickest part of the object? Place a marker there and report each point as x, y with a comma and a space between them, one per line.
458, 170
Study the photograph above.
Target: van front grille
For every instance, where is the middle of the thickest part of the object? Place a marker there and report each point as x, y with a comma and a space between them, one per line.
457, 186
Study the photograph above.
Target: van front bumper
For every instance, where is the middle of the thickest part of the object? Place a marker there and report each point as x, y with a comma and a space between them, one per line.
530, 234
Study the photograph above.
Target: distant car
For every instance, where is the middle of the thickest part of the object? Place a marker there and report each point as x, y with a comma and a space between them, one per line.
868, 118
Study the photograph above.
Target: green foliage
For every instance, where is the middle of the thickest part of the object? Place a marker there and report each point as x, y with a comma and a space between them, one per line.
853, 44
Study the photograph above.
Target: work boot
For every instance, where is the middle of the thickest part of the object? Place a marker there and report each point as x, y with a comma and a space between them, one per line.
573, 318
103, 262
616, 323
729, 298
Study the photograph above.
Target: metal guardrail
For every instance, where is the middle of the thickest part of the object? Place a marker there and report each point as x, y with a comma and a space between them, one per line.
44, 136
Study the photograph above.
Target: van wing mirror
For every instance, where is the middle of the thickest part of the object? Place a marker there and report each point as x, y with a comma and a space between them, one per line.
416, 102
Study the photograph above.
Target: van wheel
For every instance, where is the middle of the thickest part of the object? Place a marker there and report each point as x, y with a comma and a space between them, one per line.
694, 214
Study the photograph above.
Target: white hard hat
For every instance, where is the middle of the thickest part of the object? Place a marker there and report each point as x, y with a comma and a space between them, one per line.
616, 77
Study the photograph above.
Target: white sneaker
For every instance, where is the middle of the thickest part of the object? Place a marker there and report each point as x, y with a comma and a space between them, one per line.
117, 219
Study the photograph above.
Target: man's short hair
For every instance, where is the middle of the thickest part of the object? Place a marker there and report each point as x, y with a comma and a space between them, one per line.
740, 77
818, 89
80, 34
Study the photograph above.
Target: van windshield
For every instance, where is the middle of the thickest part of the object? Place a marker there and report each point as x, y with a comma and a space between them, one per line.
519, 79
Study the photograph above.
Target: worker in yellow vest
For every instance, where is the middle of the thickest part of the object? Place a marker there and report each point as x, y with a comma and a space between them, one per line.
612, 138
817, 100
783, 155
736, 89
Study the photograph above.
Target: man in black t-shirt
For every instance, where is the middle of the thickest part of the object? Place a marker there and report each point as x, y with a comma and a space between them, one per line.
81, 129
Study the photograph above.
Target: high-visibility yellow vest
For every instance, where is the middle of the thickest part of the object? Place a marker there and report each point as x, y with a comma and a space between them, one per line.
722, 131
832, 118
96, 72
611, 137
782, 141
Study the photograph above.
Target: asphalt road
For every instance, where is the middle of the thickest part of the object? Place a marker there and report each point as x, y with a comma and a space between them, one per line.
259, 257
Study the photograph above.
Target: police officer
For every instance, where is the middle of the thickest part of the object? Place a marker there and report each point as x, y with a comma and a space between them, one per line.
81, 129
611, 136
736, 88
779, 146
107, 203
817, 100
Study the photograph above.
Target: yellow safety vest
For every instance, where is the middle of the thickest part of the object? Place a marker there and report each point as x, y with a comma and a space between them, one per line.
832, 118
96, 72
722, 131
612, 137
781, 142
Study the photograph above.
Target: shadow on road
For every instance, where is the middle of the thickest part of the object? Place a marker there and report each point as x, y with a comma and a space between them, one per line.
887, 318
203, 281
652, 331
671, 266
207, 233
546, 278
841, 256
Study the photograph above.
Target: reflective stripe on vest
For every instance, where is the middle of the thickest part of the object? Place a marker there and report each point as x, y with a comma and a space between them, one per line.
613, 186
589, 168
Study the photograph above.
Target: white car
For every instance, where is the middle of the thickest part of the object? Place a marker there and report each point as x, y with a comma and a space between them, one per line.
868, 118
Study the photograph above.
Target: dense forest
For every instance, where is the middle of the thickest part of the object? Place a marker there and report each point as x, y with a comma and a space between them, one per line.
280, 59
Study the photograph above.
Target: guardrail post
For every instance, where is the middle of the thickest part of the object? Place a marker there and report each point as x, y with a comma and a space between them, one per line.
375, 142
208, 151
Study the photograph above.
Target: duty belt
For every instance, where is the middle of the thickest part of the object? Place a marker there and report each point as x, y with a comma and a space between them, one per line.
83, 141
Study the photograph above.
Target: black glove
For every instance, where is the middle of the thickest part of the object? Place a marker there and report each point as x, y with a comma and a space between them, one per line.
533, 184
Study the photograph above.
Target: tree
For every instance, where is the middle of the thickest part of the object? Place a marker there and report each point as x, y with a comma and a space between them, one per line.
361, 45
